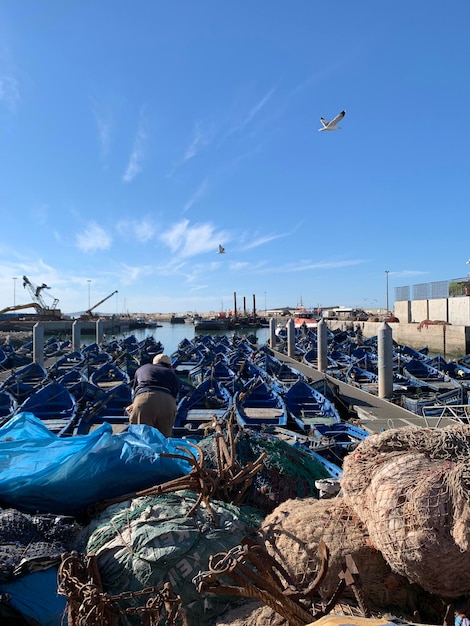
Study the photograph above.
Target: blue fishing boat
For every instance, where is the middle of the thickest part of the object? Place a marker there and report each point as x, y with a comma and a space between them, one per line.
54, 405
434, 378
258, 404
109, 375
109, 406
23, 381
284, 374
307, 407
209, 401
8, 405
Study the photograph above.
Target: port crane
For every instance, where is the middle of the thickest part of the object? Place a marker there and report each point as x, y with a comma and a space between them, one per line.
89, 315
43, 311
35, 292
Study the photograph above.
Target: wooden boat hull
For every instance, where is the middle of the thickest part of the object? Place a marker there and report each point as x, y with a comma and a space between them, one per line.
258, 405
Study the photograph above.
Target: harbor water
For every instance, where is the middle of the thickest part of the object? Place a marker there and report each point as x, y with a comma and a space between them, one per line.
170, 335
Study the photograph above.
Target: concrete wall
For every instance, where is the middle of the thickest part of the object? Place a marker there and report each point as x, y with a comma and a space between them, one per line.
451, 341
455, 311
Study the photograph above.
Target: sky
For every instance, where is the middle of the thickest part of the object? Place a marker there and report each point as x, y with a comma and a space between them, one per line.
137, 136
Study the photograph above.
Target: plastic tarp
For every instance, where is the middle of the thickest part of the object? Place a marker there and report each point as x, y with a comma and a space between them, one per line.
35, 595
42, 472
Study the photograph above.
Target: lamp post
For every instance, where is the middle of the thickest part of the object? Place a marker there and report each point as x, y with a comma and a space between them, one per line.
14, 290
89, 301
265, 308
386, 274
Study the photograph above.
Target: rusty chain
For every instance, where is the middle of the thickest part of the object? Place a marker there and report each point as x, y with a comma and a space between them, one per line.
257, 574
89, 605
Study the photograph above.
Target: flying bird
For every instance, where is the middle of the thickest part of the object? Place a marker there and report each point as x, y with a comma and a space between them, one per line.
221, 249
332, 125
468, 262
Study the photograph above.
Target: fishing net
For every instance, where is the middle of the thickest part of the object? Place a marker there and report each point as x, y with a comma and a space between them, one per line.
32, 542
148, 541
411, 487
288, 472
293, 532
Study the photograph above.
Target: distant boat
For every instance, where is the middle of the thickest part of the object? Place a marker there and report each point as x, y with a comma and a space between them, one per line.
212, 323
177, 319
306, 318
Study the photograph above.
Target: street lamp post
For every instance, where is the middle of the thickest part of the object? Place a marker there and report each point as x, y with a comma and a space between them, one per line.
14, 291
265, 308
386, 274
89, 301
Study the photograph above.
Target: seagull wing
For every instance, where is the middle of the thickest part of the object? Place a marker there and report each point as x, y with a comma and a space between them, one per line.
324, 121
337, 119
221, 249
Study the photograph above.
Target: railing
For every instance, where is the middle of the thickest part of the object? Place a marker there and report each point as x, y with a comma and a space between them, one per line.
452, 288
459, 412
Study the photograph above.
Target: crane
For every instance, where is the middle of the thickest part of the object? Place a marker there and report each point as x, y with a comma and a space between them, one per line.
89, 315
38, 301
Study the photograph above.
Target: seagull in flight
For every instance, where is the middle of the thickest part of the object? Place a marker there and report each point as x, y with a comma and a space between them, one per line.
221, 249
468, 262
332, 125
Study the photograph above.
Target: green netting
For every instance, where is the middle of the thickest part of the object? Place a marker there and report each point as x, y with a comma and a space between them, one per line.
148, 541
288, 472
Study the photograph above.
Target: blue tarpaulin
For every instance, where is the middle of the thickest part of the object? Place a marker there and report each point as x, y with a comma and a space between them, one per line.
44, 473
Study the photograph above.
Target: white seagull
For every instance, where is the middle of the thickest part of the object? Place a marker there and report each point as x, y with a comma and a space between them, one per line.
221, 249
332, 125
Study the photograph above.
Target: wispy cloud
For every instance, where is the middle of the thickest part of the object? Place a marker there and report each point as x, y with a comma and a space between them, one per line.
187, 240
199, 140
260, 241
242, 266
104, 124
138, 153
252, 113
40, 213
143, 230
9, 92
200, 191
93, 238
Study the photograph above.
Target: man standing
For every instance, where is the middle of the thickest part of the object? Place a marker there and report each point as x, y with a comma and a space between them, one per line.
155, 389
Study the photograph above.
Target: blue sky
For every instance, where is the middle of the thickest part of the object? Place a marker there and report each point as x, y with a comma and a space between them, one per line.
137, 136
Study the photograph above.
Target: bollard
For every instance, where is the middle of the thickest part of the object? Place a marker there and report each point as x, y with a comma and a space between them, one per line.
99, 331
272, 333
290, 338
76, 335
385, 364
322, 336
38, 343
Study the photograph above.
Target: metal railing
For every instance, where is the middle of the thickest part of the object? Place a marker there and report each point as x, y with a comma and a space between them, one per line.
451, 288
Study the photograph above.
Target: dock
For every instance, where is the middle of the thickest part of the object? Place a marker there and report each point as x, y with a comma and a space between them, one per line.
374, 414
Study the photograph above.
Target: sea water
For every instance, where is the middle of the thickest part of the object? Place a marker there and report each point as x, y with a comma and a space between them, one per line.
170, 335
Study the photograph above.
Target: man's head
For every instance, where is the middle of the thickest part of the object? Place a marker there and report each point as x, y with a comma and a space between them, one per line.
162, 359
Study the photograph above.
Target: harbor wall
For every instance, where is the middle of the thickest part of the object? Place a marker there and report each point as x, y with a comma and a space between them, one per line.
455, 311
449, 340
